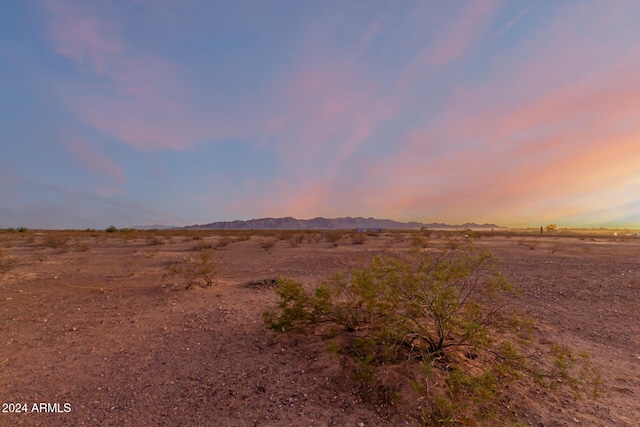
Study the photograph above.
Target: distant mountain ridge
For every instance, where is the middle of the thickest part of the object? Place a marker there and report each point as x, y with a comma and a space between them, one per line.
319, 223
153, 227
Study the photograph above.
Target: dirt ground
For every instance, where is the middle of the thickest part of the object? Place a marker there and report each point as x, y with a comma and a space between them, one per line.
92, 323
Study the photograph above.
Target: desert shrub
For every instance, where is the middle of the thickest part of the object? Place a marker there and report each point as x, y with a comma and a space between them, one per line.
192, 271
7, 263
207, 267
295, 240
295, 307
224, 241
426, 232
312, 237
569, 369
203, 246
243, 236
22, 229
333, 237
156, 241
111, 229
56, 241
442, 309
397, 237
265, 233
268, 243
426, 302
358, 238
266, 283
82, 247
285, 235
419, 240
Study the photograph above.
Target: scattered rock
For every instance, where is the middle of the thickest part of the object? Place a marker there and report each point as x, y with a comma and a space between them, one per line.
267, 283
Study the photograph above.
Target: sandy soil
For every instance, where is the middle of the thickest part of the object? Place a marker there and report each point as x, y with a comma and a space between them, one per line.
93, 321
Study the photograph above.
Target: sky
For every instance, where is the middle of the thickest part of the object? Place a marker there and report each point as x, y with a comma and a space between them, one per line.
139, 112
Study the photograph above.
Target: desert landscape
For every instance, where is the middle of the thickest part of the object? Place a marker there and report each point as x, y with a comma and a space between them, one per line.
101, 328
363, 213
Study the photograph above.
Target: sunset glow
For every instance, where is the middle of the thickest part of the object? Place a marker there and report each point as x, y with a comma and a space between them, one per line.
163, 112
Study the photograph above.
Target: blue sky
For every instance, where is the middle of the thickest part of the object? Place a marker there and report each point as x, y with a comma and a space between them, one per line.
521, 113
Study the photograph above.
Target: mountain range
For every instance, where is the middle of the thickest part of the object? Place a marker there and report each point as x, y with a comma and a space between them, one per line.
320, 223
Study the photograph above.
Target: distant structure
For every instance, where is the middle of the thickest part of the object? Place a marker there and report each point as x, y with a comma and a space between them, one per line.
367, 230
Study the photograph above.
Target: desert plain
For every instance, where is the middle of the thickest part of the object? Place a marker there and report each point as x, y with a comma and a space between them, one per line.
95, 326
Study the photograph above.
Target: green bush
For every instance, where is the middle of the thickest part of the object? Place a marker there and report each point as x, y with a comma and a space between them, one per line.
441, 308
111, 229
427, 302
295, 306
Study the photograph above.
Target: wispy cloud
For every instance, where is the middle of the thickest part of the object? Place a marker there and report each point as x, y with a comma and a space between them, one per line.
87, 40
513, 21
528, 162
450, 39
93, 160
543, 154
332, 110
451, 111
139, 98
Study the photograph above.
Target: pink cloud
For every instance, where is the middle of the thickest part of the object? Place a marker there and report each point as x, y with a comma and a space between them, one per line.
535, 142
523, 181
455, 38
367, 38
302, 200
147, 108
463, 33
87, 40
555, 155
546, 127
138, 98
337, 105
328, 110
93, 161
